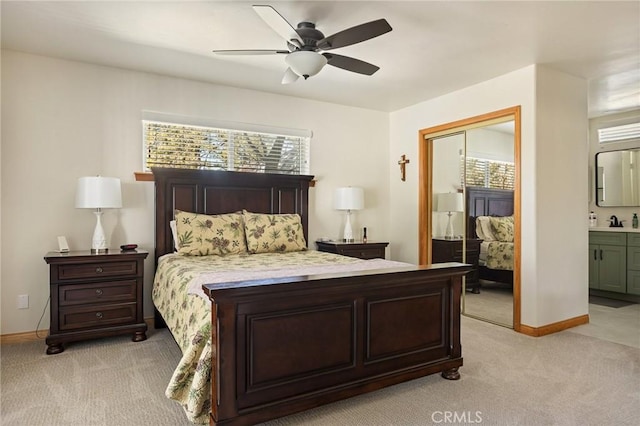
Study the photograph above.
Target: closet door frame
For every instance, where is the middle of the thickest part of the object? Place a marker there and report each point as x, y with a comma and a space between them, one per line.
425, 186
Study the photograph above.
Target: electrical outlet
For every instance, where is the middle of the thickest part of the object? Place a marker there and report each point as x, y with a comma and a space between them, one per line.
23, 301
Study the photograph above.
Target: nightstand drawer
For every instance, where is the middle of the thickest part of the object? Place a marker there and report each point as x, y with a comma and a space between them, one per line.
359, 249
445, 250
96, 316
364, 253
102, 292
97, 270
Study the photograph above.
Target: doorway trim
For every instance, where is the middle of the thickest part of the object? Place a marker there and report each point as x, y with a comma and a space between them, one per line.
425, 190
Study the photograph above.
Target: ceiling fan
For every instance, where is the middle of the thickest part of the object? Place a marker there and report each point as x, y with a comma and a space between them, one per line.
306, 46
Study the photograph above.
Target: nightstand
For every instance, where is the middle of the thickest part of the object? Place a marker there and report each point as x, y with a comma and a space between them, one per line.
95, 295
368, 250
444, 250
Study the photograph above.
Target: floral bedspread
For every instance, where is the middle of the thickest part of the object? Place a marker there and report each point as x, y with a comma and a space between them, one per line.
178, 297
499, 255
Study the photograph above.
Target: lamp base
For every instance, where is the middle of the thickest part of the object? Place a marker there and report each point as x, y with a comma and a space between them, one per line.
449, 235
348, 232
99, 241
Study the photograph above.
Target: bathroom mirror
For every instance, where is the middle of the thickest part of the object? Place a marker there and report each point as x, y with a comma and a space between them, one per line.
618, 178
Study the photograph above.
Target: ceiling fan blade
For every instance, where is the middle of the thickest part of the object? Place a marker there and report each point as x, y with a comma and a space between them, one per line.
250, 52
350, 64
289, 76
355, 35
277, 23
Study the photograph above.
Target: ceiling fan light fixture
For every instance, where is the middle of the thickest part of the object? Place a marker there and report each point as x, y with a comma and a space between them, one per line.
305, 63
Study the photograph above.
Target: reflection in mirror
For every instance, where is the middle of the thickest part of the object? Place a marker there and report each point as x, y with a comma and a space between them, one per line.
477, 166
446, 180
489, 188
618, 178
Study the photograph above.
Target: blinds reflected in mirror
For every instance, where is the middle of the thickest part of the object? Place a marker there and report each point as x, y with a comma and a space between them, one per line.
487, 173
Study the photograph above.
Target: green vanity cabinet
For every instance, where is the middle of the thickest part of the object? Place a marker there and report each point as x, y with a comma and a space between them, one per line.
608, 261
633, 263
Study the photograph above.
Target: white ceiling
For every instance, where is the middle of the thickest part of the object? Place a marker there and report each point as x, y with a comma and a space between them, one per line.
436, 47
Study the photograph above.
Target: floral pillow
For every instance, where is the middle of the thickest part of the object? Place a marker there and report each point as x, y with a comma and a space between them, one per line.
269, 233
202, 235
502, 228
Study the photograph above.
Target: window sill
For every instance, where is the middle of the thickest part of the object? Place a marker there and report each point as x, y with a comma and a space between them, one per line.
148, 177
143, 176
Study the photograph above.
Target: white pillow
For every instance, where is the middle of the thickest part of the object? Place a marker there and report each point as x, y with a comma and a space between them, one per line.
485, 226
174, 232
479, 232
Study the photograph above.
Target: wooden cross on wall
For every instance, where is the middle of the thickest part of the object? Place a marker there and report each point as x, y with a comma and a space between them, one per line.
403, 167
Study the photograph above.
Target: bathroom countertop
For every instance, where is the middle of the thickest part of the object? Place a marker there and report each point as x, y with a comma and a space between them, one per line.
609, 229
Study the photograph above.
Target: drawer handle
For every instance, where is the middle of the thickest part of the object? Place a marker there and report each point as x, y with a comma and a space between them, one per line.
99, 315
98, 270
99, 292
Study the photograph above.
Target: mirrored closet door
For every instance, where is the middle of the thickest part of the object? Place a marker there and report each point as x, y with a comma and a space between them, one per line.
472, 182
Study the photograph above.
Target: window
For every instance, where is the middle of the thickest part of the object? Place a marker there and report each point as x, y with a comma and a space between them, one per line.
622, 133
487, 173
191, 146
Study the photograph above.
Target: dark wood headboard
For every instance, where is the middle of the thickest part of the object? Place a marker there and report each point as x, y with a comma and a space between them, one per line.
486, 202
218, 192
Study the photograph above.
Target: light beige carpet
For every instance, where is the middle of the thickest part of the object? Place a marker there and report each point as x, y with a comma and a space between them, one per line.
494, 303
507, 379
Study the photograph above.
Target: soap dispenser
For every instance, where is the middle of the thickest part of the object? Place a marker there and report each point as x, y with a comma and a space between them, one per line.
634, 221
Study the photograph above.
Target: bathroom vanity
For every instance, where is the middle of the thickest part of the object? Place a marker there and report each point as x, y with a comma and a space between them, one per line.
614, 262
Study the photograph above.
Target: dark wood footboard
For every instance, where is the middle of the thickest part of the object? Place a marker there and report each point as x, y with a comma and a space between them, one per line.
291, 344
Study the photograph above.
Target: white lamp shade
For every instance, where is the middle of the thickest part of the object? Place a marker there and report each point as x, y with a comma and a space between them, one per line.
97, 192
348, 198
305, 63
450, 202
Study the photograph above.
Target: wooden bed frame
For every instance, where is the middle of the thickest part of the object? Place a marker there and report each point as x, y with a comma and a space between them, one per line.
290, 344
488, 202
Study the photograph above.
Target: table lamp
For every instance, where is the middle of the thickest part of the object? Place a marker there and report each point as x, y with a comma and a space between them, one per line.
348, 198
450, 202
97, 192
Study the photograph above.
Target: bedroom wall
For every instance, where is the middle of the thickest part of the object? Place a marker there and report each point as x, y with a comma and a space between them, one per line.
490, 144
561, 190
62, 120
522, 87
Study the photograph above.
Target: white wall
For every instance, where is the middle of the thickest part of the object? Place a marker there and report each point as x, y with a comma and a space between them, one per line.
510, 90
62, 120
561, 222
520, 87
490, 144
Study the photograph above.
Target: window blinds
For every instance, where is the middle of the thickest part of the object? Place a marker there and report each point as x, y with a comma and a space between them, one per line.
619, 133
487, 173
201, 147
